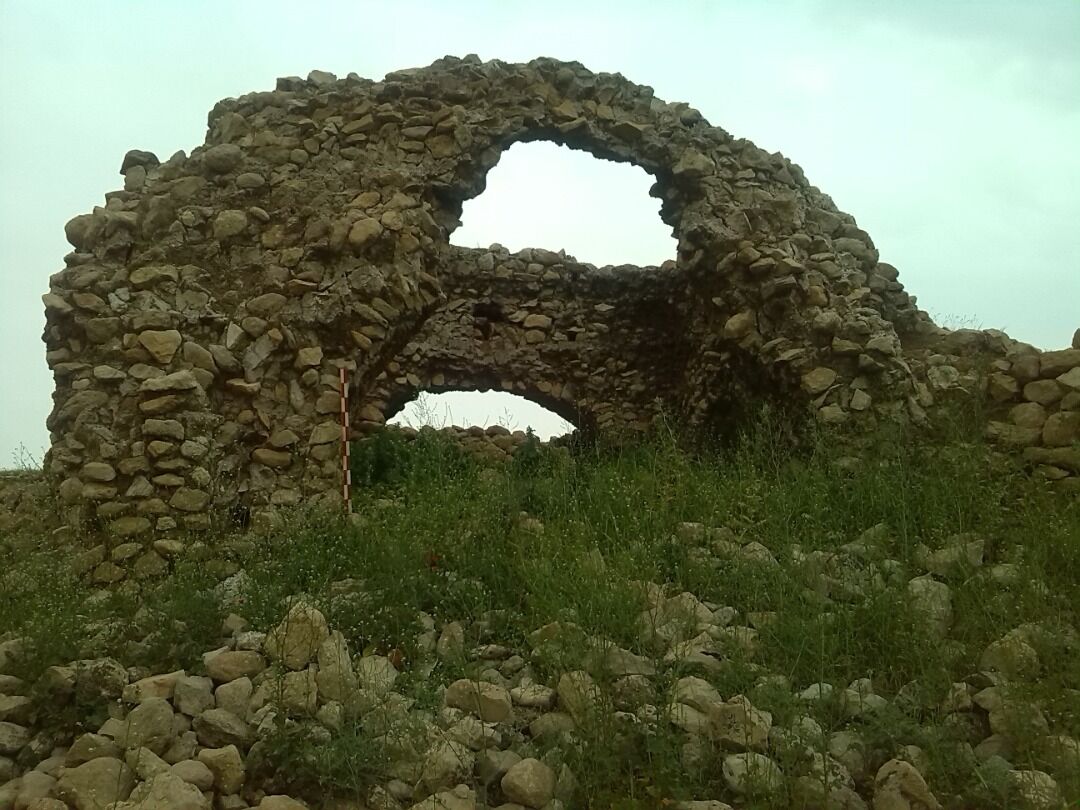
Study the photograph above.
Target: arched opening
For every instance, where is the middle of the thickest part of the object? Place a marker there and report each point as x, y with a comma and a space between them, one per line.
449, 424
543, 195
496, 410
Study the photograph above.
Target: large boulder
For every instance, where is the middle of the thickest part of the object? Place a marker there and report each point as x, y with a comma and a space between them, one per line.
490, 702
96, 784
899, 786
296, 640
336, 677
148, 725
226, 765
230, 665
166, 791
738, 724
218, 728
529, 782
752, 774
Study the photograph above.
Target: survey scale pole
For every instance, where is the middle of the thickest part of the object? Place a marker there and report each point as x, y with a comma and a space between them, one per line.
346, 471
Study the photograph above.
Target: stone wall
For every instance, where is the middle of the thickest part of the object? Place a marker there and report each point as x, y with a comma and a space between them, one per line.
1031, 398
494, 443
197, 330
605, 348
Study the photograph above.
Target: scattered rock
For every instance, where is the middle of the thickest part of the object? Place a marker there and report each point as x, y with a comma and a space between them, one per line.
218, 728
932, 600
229, 665
149, 725
489, 702
752, 774
1035, 790
898, 786
165, 791
530, 783
95, 785
295, 642
737, 724
578, 694
226, 765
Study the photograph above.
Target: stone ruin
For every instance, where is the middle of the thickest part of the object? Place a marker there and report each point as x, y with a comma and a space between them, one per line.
198, 328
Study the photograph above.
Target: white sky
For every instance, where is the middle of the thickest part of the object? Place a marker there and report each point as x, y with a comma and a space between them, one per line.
948, 129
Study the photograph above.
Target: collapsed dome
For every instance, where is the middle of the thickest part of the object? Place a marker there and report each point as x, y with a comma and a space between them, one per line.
198, 330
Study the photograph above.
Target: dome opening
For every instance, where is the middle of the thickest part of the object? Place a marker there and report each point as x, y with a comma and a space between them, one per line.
542, 195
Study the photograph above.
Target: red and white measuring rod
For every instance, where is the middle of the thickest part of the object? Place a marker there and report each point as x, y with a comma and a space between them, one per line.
346, 471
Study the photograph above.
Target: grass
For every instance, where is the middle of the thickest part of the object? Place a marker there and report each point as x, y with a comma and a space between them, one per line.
567, 536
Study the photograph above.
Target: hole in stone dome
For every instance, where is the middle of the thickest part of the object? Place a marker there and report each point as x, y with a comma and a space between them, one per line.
542, 195
484, 409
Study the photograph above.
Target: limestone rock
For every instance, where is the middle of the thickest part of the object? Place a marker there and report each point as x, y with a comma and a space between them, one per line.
15, 708
166, 791
578, 694
183, 380
697, 693
138, 157
295, 642
738, 724
266, 305
819, 380
932, 600
235, 696
533, 696
145, 763
613, 661
530, 783
447, 763
1061, 429
90, 746
959, 557
489, 702
149, 725
898, 786
230, 223
194, 773
96, 784
222, 158
1035, 790
232, 664
35, 788
376, 674
294, 692
162, 345
98, 471
460, 798
155, 686
226, 765
752, 774
336, 677
193, 695
492, 765
281, 802
1012, 656
364, 231
218, 728
1058, 753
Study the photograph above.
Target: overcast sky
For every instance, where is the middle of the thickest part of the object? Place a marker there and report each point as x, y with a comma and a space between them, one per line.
950, 130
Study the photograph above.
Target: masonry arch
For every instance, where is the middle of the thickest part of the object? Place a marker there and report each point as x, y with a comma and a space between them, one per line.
199, 327
392, 399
